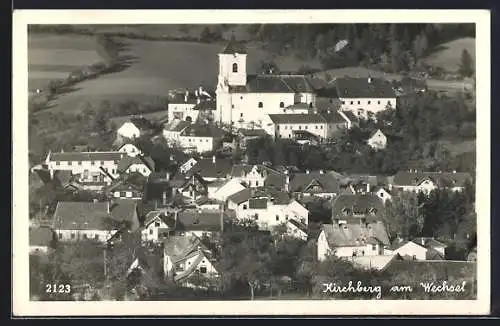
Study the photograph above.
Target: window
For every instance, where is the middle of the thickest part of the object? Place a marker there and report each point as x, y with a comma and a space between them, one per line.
241, 115
286, 217
60, 236
72, 235
359, 102
235, 67
343, 102
206, 141
244, 206
316, 127
203, 269
282, 105
79, 162
58, 163
232, 106
374, 247
96, 236
369, 102
150, 231
352, 102
284, 110
256, 216
305, 127
362, 253
388, 102
277, 217
256, 183
241, 97
260, 105
157, 224
414, 257
286, 127
144, 170
378, 102
102, 162
300, 127
201, 140
85, 236
320, 127
92, 163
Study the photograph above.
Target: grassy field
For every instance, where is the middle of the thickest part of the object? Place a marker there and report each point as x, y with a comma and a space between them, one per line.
155, 67
447, 55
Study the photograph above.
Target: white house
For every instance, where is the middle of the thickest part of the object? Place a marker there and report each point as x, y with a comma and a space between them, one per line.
352, 239
74, 221
156, 226
141, 164
130, 149
364, 96
267, 207
244, 100
172, 130
258, 176
383, 194
134, 128
185, 257
200, 138
410, 249
91, 166
420, 249
187, 165
41, 240
377, 140
425, 182
187, 105
313, 183
229, 188
296, 229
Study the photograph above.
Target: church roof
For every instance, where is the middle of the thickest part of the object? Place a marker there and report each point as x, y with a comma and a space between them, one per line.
274, 84
234, 47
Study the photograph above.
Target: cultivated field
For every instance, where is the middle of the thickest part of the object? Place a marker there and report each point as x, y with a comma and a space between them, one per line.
154, 68
447, 55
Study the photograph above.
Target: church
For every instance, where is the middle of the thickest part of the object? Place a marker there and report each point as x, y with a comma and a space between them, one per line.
245, 101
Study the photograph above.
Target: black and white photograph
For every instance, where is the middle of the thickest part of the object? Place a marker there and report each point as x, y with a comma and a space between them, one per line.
271, 163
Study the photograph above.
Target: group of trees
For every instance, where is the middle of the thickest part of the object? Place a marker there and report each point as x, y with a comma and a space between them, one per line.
393, 47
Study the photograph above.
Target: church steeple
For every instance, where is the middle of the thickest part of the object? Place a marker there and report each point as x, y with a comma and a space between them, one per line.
232, 64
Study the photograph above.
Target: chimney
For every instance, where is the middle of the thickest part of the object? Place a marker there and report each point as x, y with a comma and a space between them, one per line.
186, 96
167, 176
196, 93
164, 197
200, 90
422, 241
287, 183
367, 188
369, 80
51, 171
307, 171
213, 159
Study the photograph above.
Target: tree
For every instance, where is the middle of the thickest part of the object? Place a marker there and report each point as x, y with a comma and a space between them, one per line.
246, 257
466, 66
420, 45
404, 216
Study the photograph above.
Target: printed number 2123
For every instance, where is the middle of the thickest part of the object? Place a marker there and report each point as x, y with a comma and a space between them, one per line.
57, 288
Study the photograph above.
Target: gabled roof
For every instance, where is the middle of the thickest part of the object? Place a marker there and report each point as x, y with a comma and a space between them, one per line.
127, 161
41, 236
301, 226
352, 87
274, 84
269, 194
378, 262
352, 117
233, 47
443, 179
199, 130
272, 177
368, 206
124, 210
297, 118
208, 169
428, 242
355, 234
300, 182
252, 132
195, 220
176, 125
86, 156
141, 123
373, 132
151, 216
205, 105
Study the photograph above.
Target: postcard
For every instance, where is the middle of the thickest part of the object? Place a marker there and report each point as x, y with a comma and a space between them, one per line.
256, 162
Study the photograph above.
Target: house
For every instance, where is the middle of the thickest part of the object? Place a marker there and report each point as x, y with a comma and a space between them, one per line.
323, 126
122, 189
296, 229
157, 226
419, 249
315, 183
383, 193
212, 168
190, 187
419, 181
432, 245
186, 257
198, 222
246, 135
172, 131
348, 240
357, 208
187, 165
258, 176
365, 97
75, 221
158, 188
200, 138
243, 100
187, 105
377, 140
142, 164
378, 262
267, 206
41, 240
227, 189
129, 149
134, 128
89, 166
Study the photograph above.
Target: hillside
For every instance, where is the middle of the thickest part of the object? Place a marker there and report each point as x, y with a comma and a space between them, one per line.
447, 55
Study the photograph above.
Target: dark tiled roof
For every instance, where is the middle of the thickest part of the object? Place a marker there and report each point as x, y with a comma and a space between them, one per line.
87, 156
300, 182
234, 46
178, 97
176, 125
80, 215
299, 106
252, 132
205, 105
349, 87
299, 225
274, 84
199, 130
63, 177
124, 210
257, 203
334, 117
141, 123
443, 179
127, 161
351, 116
329, 91
208, 169
194, 220
428, 242
355, 234
358, 206
178, 247
304, 135
240, 196
278, 197
297, 118
41, 236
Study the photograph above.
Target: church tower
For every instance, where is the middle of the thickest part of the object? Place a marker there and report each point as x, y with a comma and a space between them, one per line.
233, 64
